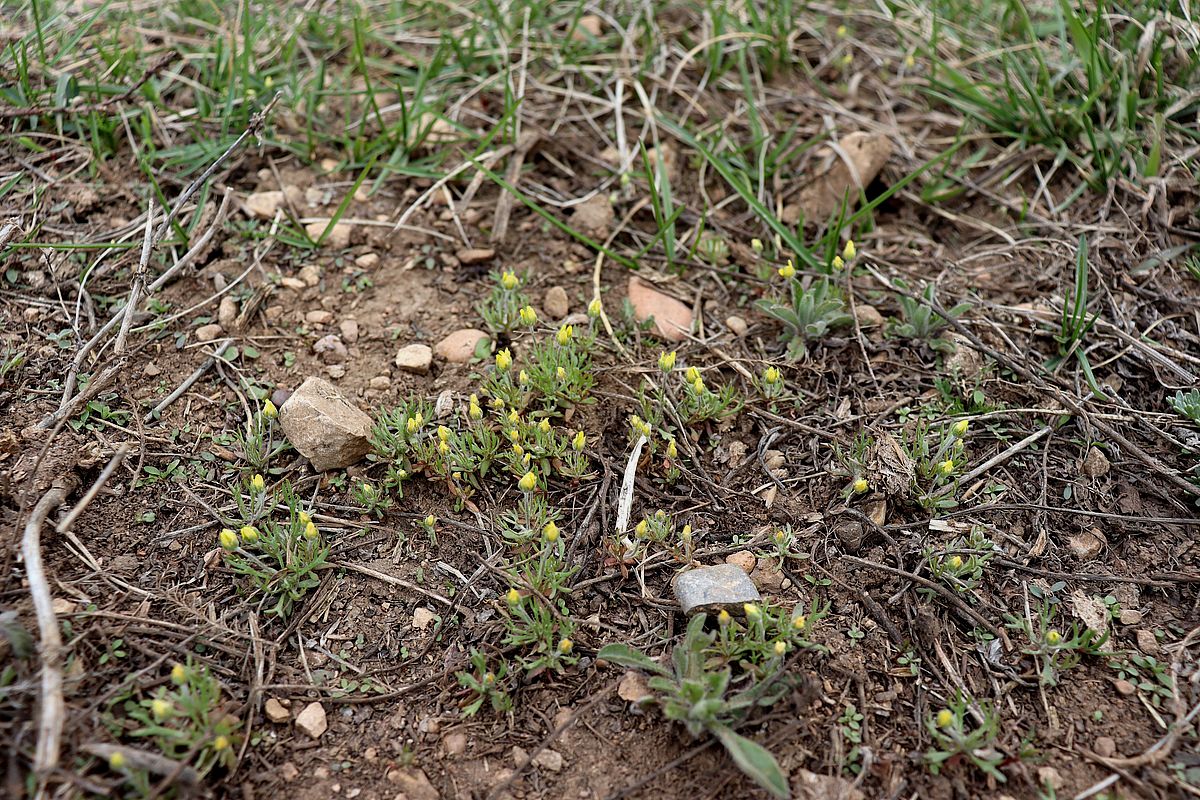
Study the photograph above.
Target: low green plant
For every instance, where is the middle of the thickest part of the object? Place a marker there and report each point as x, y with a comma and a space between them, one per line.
543, 633
703, 698
485, 685
961, 563
1187, 404
1075, 324
280, 558
1053, 651
919, 321
956, 737
257, 441
938, 460
506, 307
374, 501
808, 313
851, 727
1149, 676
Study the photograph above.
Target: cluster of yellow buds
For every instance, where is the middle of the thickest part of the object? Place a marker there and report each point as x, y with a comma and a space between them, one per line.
429, 521
641, 529
781, 649
848, 253
579, 442
945, 718
672, 450
310, 531
565, 646
249, 534
503, 360
945, 467
179, 674
527, 316
513, 597
560, 374
160, 708
686, 533
666, 361
564, 335
522, 378
544, 425
772, 376
753, 612
955, 562
860, 485
1053, 637
221, 743
257, 484
959, 428
414, 422
640, 426
473, 409
723, 618
788, 270
116, 761
800, 622
509, 280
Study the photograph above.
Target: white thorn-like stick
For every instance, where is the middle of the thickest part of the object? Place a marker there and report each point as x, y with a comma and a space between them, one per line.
625, 502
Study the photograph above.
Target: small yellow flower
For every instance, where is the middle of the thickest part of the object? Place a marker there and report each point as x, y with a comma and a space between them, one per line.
564, 334
959, 428
528, 482
780, 649
753, 612
220, 743
560, 374
518, 449
686, 533
513, 597
496, 402
910, 61
550, 531
756, 245
509, 280
443, 448
489, 679
269, 410
249, 534
666, 361
412, 425
849, 251
565, 646
475, 412
800, 622
228, 539
837, 264
257, 483
1053, 637
160, 708
780, 536
945, 718
304, 518
641, 528
672, 450
116, 761
523, 377
579, 442
691, 375
847, 59
698, 386
955, 562
544, 425
443, 433
860, 485
310, 531
788, 270
528, 315
723, 618
514, 436
503, 360
594, 308
771, 376
514, 417
946, 467
178, 674
841, 31
430, 521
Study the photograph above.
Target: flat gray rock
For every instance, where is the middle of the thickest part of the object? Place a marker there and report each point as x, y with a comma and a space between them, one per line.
707, 589
325, 427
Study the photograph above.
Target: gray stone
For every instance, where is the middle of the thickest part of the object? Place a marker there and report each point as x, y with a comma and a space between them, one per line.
1105, 747
324, 427
707, 589
330, 349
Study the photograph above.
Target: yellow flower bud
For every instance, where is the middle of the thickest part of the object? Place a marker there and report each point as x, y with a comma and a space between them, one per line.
686, 533
269, 410
955, 562
475, 412
666, 361
489, 679
860, 485
946, 467
756, 245
849, 251
910, 61
723, 618
594, 308
523, 377
513, 597
220, 743
228, 539
178, 674
496, 402
518, 449
698, 386
160, 708
544, 425
959, 428
945, 718
691, 375
560, 374
249, 534
565, 646
443, 433
430, 521
841, 31
257, 483
311, 532
780, 536
672, 450
800, 622
753, 612
641, 528
528, 315
579, 442
509, 280
412, 425
503, 360
1053, 637
304, 518
780, 648
514, 417
443, 448
116, 761
771, 376
564, 334
788, 270
837, 264
528, 482
550, 531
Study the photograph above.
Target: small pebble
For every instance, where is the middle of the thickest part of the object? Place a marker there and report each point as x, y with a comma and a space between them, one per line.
349, 330
1147, 642
311, 721
556, 302
414, 358
379, 383
1124, 687
227, 312
367, 261
743, 559
459, 347
319, 317
206, 333
276, 711
310, 274
330, 349
475, 255
737, 325
1105, 747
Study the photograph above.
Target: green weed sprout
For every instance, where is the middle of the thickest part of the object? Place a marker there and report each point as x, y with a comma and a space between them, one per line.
919, 321
1053, 651
486, 686
543, 634
373, 501
506, 307
281, 558
961, 564
1187, 404
257, 442
187, 721
938, 461
806, 314
700, 698
954, 736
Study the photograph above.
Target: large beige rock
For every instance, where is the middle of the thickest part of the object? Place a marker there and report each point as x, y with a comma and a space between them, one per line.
325, 427
311, 721
459, 347
847, 171
672, 319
